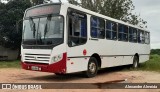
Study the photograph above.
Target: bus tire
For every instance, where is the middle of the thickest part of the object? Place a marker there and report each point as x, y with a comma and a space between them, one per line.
135, 62
92, 68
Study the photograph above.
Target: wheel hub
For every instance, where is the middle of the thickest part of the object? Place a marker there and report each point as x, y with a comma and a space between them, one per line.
135, 65
92, 68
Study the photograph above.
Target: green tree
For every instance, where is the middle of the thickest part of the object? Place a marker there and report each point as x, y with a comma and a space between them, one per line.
155, 51
11, 13
36, 2
118, 9
75, 2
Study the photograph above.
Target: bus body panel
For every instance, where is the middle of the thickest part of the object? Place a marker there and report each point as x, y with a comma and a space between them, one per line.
59, 67
36, 57
50, 66
112, 52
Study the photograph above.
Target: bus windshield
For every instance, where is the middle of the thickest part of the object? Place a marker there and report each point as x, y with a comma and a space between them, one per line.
43, 30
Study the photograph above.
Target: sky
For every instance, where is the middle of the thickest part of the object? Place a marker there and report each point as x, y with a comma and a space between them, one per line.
149, 10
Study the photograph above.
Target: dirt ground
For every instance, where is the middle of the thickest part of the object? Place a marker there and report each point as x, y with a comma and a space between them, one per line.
9, 75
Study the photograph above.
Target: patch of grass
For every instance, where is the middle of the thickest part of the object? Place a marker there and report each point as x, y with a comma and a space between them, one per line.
10, 64
152, 65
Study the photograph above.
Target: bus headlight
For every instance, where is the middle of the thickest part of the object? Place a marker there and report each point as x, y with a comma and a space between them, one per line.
57, 58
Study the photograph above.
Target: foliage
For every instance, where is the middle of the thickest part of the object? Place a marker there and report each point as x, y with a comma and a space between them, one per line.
11, 13
155, 51
10, 64
152, 65
36, 2
118, 9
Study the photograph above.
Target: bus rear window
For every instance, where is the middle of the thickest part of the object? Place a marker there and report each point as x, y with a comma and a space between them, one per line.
44, 10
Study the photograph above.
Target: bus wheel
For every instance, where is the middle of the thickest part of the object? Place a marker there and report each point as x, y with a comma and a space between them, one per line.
135, 62
92, 68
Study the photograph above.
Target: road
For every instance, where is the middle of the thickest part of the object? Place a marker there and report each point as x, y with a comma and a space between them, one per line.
12, 75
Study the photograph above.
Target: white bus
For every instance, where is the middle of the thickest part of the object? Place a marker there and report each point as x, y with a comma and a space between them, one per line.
63, 38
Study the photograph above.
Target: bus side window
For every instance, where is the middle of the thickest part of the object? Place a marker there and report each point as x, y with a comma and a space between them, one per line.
93, 27
97, 27
77, 28
141, 37
135, 35
132, 34
147, 40
111, 30
122, 32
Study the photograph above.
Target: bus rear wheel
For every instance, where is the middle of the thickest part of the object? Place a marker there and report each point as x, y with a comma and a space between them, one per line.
135, 62
92, 68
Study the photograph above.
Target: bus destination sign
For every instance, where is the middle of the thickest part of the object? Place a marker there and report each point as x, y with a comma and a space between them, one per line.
50, 9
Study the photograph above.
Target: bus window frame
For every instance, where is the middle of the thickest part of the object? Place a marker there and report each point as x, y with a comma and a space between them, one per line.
141, 37
112, 30
67, 28
147, 37
134, 29
44, 46
123, 33
97, 28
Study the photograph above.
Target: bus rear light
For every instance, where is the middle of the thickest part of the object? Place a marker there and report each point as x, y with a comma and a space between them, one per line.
57, 58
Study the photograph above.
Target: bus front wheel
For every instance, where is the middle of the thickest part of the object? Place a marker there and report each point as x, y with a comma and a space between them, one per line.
135, 62
92, 68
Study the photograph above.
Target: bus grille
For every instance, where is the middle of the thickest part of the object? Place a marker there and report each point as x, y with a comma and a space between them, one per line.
37, 58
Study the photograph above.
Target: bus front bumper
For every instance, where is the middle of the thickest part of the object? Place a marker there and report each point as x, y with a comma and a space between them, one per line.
59, 67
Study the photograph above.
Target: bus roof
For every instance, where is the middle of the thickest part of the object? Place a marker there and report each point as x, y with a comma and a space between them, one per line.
90, 13
101, 15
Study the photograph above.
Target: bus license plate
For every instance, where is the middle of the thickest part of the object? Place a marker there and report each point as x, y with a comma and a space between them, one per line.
35, 68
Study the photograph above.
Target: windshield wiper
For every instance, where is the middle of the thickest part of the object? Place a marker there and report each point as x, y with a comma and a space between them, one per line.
45, 30
32, 25
39, 38
46, 25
